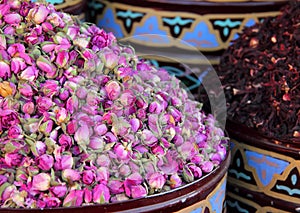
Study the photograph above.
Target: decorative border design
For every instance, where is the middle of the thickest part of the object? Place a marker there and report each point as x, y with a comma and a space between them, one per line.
275, 175
212, 202
209, 32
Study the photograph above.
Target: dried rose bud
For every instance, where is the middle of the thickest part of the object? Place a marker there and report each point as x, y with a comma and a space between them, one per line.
12, 18
8, 118
207, 166
5, 71
26, 90
103, 161
62, 58
50, 88
175, 181
115, 186
29, 74
38, 14
5, 88
72, 127
121, 152
113, 90
45, 162
59, 191
46, 66
70, 175
28, 108
96, 143
102, 175
157, 180
17, 64
65, 141
197, 172
136, 124
61, 115
46, 127
138, 191
67, 161
100, 129
15, 132
148, 138
88, 177
88, 195
74, 198
41, 182
101, 194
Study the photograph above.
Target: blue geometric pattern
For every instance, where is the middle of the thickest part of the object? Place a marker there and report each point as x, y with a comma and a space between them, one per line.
266, 166
201, 37
52, 1
109, 24
199, 210
216, 200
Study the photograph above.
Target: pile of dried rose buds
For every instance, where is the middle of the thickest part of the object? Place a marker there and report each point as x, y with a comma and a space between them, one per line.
83, 121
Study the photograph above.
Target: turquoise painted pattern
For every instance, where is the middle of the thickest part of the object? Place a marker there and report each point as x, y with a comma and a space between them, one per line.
52, 1
108, 23
216, 200
266, 166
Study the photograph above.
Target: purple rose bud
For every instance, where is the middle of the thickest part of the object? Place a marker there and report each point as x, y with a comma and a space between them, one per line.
74, 198
141, 114
29, 74
64, 94
175, 113
158, 150
157, 180
41, 182
125, 170
101, 194
12, 18
47, 27
70, 175
45, 162
178, 140
96, 143
175, 181
155, 108
59, 191
26, 90
72, 104
40, 147
61, 115
88, 195
38, 14
13, 159
109, 137
3, 179
138, 191
148, 138
176, 101
113, 90
207, 166
52, 202
4, 70
15, 132
127, 98
100, 129
72, 31
28, 108
81, 93
88, 177
82, 135
4, 9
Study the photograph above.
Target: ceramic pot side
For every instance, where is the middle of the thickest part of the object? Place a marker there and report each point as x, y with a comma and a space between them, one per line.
263, 176
207, 26
206, 195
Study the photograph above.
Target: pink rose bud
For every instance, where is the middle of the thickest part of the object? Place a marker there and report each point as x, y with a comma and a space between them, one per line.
176, 114
138, 191
15, 132
48, 46
4, 70
4, 9
113, 90
62, 59
101, 194
13, 159
74, 198
65, 141
8, 191
26, 90
46, 66
121, 152
157, 180
81, 93
12, 18
61, 115
72, 104
103, 161
196, 171
67, 162
100, 129
207, 166
148, 138
17, 64
158, 150
29, 74
115, 186
59, 191
64, 95
155, 108
96, 143
175, 181
40, 148
188, 175
38, 14
82, 135
44, 104
110, 59
102, 175
88, 195
125, 170
8, 118
70, 175
45, 162
28, 108
16, 49
41, 182
72, 127
88, 177
47, 27
136, 124
72, 31
46, 127
50, 88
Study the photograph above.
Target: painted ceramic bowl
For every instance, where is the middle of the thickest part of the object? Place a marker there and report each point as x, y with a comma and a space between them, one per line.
204, 195
207, 25
264, 175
